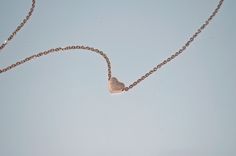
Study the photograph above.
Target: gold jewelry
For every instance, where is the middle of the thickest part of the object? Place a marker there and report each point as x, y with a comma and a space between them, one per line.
113, 83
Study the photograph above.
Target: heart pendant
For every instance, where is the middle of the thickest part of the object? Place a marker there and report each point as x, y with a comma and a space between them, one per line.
115, 86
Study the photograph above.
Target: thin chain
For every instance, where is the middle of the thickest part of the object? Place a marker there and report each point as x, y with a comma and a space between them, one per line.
91, 49
52, 50
18, 28
184, 47
61, 49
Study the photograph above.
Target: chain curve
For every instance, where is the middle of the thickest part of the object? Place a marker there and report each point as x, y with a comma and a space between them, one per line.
18, 28
61, 49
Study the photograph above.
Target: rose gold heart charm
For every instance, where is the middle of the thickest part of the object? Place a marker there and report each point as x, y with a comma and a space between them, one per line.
115, 86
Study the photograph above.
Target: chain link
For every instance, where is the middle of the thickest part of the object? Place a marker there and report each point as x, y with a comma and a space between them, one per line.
18, 28
91, 49
61, 49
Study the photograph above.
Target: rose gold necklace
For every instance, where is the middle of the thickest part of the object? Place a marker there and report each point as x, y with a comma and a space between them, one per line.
113, 83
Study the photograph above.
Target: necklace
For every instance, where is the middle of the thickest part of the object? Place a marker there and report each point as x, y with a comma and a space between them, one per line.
114, 85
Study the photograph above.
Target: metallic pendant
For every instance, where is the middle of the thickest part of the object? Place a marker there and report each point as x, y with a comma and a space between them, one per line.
115, 86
